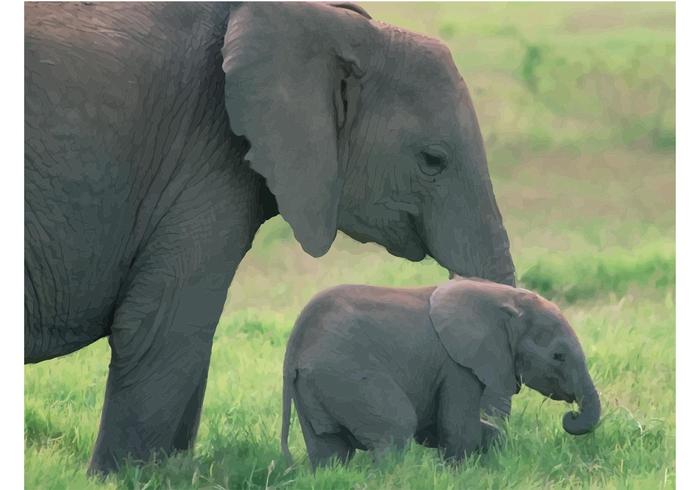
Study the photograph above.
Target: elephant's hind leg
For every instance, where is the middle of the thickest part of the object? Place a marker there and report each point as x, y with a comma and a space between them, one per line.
323, 449
327, 441
372, 407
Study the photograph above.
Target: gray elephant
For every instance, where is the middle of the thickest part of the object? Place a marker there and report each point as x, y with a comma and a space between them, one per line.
371, 368
159, 137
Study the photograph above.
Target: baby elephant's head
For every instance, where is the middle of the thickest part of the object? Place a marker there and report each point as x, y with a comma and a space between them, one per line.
508, 336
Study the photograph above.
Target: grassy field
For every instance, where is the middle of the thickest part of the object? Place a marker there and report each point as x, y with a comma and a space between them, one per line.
576, 102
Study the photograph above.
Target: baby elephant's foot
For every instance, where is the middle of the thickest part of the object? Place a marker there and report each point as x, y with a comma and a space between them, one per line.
491, 436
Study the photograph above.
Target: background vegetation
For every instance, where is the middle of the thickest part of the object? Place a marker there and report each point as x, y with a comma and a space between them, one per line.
576, 102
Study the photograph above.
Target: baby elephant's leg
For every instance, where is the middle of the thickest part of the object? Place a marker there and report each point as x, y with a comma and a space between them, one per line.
328, 442
495, 404
323, 449
329, 448
491, 436
458, 423
373, 408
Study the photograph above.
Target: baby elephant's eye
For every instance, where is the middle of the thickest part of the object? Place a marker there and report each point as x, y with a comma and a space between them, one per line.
557, 356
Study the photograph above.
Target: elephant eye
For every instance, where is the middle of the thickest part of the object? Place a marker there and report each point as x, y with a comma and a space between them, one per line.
432, 163
557, 356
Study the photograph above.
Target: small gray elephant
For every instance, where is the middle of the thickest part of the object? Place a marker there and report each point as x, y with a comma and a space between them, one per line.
371, 368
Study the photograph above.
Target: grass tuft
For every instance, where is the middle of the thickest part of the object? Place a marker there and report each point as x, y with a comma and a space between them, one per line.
615, 272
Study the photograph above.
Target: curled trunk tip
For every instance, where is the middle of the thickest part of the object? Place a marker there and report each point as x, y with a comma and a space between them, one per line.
588, 417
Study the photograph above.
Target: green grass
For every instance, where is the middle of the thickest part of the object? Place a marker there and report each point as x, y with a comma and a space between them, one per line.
576, 102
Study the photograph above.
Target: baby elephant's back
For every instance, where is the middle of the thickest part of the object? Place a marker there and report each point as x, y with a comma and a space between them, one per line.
362, 324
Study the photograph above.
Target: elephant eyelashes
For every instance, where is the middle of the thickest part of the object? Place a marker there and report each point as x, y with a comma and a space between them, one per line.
431, 163
558, 357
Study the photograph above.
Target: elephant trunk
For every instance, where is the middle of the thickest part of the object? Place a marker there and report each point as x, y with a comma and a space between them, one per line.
497, 264
501, 269
589, 411
466, 234
487, 254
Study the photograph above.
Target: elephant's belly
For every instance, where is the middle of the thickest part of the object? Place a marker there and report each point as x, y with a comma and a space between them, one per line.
76, 258
50, 335
58, 340
59, 317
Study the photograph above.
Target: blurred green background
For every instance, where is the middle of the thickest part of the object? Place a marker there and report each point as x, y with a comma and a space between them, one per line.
577, 106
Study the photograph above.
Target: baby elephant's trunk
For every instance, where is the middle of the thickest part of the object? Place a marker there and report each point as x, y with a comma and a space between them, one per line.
589, 405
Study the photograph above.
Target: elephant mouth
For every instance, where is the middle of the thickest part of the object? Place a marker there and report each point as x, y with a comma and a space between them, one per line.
411, 246
401, 240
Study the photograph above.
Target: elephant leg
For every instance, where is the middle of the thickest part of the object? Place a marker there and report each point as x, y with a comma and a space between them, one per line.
330, 447
458, 423
491, 436
161, 343
494, 404
427, 436
371, 406
189, 422
323, 449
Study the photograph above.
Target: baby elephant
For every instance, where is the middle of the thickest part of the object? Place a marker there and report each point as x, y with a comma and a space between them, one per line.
371, 367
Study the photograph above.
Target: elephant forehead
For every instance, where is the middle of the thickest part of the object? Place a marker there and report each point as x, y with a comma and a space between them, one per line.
419, 66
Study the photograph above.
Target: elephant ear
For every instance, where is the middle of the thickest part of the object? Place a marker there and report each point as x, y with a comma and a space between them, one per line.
479, 325
290, 72
352, 6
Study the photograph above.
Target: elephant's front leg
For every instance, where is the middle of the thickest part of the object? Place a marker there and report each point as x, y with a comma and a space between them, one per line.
491, 436
161, 344
458, 423
495, 404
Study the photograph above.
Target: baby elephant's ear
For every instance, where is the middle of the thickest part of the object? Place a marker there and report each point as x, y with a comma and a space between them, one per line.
472, 325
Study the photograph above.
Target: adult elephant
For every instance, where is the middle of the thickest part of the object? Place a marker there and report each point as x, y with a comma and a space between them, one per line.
149, 169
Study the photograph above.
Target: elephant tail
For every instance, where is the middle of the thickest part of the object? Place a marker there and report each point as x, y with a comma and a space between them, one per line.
286, 415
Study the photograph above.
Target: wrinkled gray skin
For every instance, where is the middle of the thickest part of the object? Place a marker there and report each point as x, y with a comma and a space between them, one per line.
159, 137
371, 368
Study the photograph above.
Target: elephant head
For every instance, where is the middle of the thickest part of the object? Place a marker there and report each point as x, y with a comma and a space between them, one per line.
508, 336
362, 127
